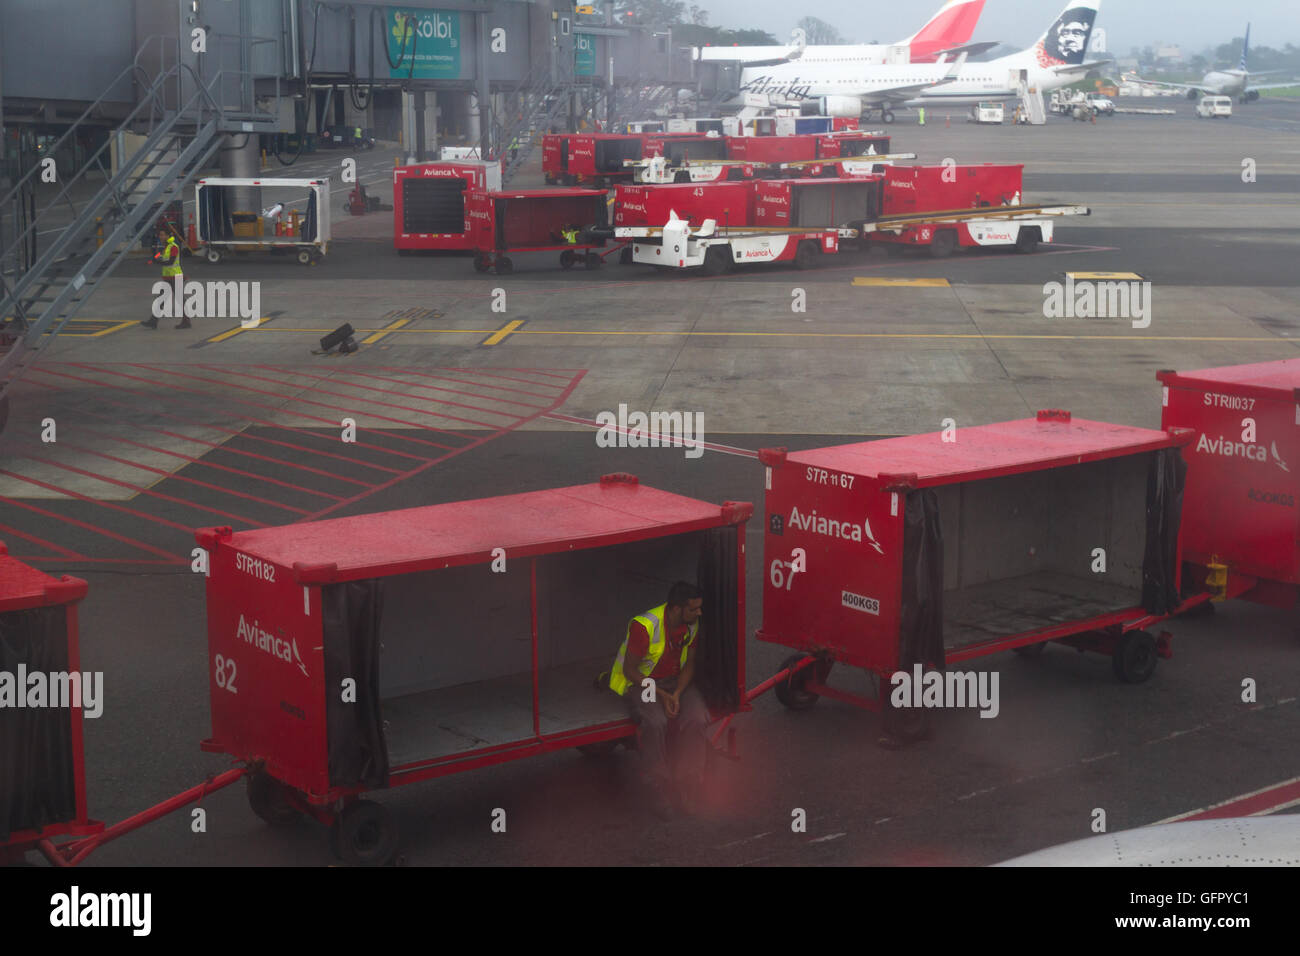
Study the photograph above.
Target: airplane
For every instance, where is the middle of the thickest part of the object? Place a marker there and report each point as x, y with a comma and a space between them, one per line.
1058, 58
1226, 841
1226, 82
948, 31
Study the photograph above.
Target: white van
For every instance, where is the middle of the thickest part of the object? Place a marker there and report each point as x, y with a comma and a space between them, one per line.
1214, 106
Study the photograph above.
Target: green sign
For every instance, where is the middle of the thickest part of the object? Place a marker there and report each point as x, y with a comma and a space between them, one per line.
432, 37
584, 54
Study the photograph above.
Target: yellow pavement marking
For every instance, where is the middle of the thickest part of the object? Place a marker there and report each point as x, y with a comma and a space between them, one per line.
392, 327
116, 327
1130, 276
513, 329
497, 337
231, 333
903, 283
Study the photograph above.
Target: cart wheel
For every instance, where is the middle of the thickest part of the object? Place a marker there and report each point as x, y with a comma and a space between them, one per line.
481, 264
716, 261
364, 834
806, 256
593, 260
304, 256
504, 266
213, 255
943, 244
1031, 650
1028, 239
602, 749
625, 257
1135, 657
791, 691
269, 799
567, 258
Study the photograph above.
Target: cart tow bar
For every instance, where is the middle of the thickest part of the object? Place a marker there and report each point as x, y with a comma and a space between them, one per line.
70, 854
750, 695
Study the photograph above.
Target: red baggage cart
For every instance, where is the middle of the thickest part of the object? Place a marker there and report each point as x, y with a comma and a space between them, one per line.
429, 203
924, 550
368, 652
650, 204
42, 763
1240, 532
534, 220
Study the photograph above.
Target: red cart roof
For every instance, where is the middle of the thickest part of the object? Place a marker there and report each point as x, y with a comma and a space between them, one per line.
988, 451
1277, 380
545, 193
22, 586
615, 510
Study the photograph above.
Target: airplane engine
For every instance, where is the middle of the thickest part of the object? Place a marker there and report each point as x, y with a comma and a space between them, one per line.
1193, 94
1252, 96
841, 106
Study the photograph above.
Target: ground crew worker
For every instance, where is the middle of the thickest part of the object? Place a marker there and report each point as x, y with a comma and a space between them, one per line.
170, 257
660, 645
514, 148
570, 234
921, 111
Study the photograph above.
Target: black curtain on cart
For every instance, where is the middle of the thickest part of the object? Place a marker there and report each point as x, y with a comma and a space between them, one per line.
215, 221
37, 783
920, 636
358, 753
716, 577
308, 225
1165, 483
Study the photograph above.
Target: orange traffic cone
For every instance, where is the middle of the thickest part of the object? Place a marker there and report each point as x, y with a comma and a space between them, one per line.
191, 237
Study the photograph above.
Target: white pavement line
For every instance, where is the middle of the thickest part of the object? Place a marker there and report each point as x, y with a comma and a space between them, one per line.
748, 839
1286, 786
825, 839
1113, 753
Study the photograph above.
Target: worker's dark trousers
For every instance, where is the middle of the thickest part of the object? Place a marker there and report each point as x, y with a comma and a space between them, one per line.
689, 725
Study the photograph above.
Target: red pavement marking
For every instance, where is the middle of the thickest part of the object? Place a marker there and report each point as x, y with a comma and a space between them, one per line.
171, 558
9, 532
1254, 804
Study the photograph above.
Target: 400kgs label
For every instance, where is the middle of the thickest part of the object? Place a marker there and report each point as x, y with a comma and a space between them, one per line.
859, 602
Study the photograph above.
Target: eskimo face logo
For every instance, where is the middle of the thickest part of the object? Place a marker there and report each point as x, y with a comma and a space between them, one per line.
1067, 40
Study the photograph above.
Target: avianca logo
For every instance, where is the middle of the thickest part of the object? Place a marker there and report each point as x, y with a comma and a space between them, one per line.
275, 646
1238, 449
844, 530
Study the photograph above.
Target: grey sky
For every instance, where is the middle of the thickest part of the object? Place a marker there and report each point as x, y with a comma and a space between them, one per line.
1194, 24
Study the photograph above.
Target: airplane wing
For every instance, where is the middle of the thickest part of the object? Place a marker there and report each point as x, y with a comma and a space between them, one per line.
903, 93
1181, 87
1081, 67
1262, 87
970, 49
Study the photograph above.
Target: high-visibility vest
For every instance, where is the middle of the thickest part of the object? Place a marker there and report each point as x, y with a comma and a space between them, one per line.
570, 236
653, 621
171, 257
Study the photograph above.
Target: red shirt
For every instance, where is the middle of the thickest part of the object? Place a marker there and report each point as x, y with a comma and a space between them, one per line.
670, 661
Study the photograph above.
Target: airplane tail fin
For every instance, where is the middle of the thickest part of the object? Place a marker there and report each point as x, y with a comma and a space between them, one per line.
952, 26
1245, 50
1066, 40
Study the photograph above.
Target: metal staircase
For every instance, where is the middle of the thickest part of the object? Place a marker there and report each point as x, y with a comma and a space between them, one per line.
543, 97
42, 287
1031, 100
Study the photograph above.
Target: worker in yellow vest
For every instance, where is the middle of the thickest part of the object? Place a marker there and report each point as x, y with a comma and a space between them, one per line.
170, 257
654, 673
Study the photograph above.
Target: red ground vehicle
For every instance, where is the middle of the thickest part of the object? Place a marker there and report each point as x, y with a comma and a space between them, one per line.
42, 764
1240, 533
791, 220
507, 670
649, 205
932, 551
534, 221
595, 158
946, 207
429, 203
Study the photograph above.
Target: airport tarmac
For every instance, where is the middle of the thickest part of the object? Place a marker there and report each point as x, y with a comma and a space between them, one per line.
159, 432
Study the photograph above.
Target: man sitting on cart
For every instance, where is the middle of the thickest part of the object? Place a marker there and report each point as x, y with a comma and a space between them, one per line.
659, 645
